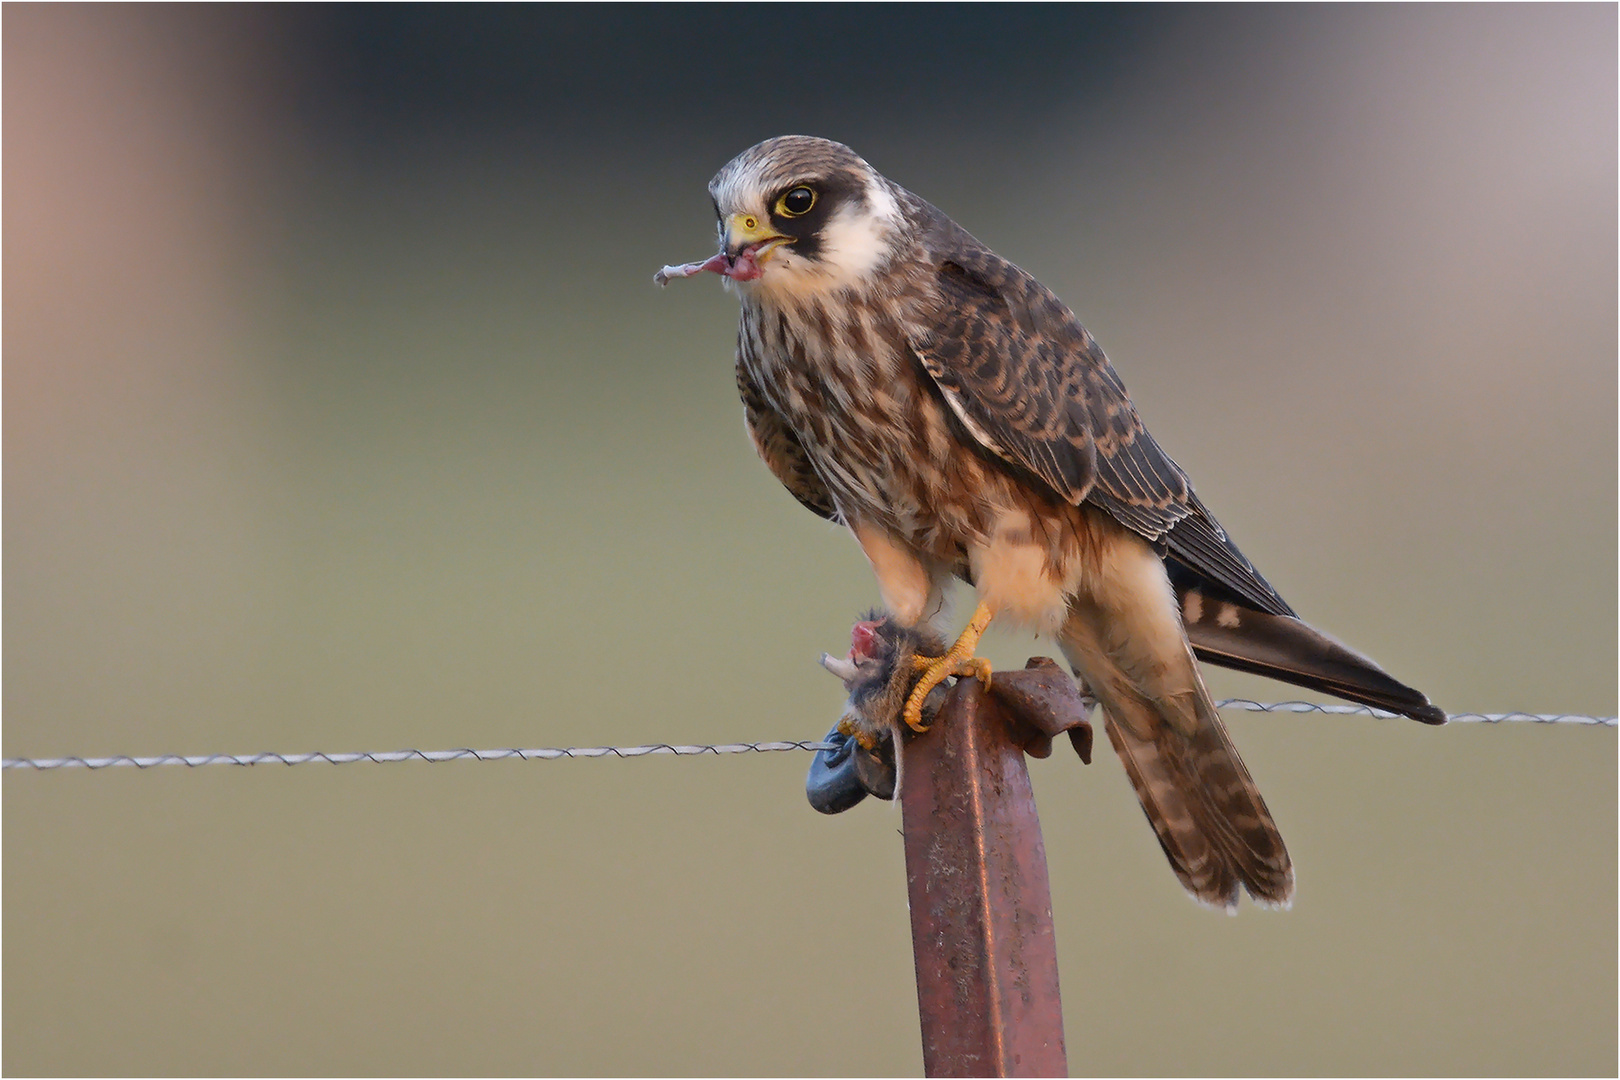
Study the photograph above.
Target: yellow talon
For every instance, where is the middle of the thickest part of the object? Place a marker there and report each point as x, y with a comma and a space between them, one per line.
864, 739
975, 667
958, 660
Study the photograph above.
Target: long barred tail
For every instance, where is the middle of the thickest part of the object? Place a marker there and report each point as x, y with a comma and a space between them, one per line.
1206, 810
1125, 639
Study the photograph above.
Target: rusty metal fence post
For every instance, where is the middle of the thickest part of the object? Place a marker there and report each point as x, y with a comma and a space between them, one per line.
981, 906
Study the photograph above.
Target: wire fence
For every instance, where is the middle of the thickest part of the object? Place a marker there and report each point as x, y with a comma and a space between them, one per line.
1245, 705
384, 757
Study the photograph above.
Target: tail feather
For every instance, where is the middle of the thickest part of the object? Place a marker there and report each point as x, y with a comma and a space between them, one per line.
1207, 813
1197, 795
1198, 865
1233, 810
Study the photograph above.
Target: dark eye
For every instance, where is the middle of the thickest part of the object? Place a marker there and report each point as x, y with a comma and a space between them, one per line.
796, 202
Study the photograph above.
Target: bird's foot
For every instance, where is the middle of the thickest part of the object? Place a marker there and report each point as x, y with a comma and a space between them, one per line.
958, 660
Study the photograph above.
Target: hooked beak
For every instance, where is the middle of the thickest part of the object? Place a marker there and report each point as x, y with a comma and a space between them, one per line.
747, 243
745, 232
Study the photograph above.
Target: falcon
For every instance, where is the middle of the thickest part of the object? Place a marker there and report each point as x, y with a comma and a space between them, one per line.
903, 380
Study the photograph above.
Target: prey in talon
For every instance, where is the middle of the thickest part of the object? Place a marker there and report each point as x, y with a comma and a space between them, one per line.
909, 384
957, 660
879, 672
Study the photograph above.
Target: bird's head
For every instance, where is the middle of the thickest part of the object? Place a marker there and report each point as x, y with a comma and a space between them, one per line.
799, 215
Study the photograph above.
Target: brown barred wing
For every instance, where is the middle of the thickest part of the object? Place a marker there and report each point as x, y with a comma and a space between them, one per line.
1031, 385
781, 450
990, 361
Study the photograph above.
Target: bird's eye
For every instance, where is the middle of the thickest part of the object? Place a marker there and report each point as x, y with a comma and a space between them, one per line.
796, 202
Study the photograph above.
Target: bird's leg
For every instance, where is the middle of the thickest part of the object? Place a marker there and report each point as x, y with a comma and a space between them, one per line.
958, 660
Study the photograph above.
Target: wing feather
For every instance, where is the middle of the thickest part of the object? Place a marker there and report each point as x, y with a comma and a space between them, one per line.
1031, 386
781, 450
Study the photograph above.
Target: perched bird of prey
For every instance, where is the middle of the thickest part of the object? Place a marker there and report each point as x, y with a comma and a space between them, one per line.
902, 379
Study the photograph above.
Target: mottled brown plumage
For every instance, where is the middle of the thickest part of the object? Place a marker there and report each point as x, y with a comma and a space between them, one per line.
901, 378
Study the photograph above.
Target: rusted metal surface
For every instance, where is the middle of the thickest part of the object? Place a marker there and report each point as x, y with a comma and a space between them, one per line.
981, 906
1042, 702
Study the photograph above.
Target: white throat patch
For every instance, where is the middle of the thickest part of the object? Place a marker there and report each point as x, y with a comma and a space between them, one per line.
853, 244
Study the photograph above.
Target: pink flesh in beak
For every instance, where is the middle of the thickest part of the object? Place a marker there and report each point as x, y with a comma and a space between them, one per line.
743, 268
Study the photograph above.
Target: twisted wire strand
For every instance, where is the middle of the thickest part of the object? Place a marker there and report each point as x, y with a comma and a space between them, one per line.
1245, 705
381, 757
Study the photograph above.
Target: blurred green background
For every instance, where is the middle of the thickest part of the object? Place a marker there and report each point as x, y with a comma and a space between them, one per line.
341, 413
